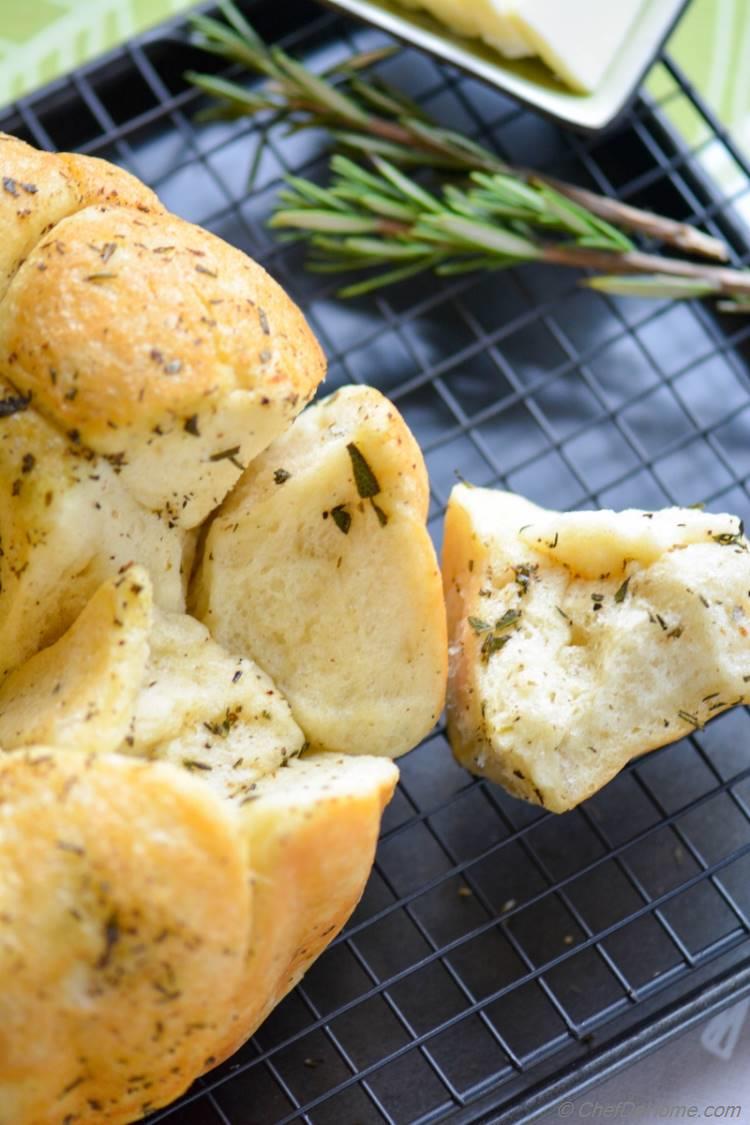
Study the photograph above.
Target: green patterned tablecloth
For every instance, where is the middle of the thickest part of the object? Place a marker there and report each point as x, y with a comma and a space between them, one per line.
40, 39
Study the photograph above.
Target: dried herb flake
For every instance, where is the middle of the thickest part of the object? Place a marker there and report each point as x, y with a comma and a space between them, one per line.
14, 404
622, 592
364, 477
382, 517
341, 518
229, 455
492, 644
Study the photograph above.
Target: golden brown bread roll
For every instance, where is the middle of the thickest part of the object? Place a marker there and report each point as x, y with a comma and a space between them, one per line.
172, 855
177, 357
142, 337
41, 188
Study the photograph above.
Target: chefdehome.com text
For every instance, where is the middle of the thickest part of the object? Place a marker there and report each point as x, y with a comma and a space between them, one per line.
647, 1111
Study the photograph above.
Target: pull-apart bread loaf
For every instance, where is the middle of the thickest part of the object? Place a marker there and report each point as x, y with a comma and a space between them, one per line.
170, 865
581, 640
319, 565
179, 840
143, 364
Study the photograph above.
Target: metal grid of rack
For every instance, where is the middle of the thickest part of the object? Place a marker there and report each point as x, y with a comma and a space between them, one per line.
501, 956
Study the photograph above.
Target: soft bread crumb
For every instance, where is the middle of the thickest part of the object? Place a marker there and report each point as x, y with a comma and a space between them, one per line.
580, 640
320, 567
216, 715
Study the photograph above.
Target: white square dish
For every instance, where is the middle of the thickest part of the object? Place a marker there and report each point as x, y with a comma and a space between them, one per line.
529, 80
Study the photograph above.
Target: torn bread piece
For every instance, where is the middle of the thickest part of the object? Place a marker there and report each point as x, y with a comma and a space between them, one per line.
125, 915
80, 693
581, 640
127, 677
319, 566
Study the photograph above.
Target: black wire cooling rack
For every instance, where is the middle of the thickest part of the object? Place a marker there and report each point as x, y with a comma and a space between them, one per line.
501, 957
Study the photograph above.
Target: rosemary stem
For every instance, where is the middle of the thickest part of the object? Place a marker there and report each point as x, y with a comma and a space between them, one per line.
725, 281
669, 231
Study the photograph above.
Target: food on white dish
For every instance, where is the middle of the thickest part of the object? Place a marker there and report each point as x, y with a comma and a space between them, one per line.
578, 39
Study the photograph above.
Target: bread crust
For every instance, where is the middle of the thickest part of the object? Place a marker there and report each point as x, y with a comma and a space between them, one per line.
124, 917
311, 835
41, 188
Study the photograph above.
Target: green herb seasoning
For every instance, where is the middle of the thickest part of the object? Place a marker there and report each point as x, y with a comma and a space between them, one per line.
492, 644
229, 455
524, 575
726, 539
341, 518
382, 517
510, 617
364, 477
622, 592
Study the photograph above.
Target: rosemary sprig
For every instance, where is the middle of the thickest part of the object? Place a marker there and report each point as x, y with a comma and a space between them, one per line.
383, 221
367, 117
380, 219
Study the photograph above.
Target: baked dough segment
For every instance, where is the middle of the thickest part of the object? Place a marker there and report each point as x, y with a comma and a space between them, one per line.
80, 693
156, 344
67, 526
124, 918
38, 189
581, 640
320, 567
311, 832
214, 714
